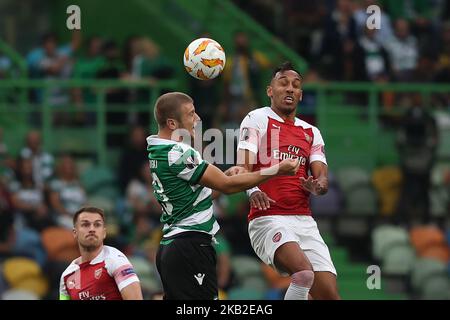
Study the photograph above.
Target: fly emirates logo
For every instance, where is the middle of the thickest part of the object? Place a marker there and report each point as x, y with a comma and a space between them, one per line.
293, 153
85, 295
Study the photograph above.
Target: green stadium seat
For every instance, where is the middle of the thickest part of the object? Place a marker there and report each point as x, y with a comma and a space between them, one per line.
254, 282
398, 260
350, 177
425, 269
436, 288
245, 294
386, 236
147, 274
362, 201
245, 266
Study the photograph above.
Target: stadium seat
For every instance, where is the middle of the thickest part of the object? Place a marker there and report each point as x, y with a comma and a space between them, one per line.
424, 269
59, 244
425, 237
387, 182
18, 268
438, 252
19, 294
350, 177
330, 203
254, 282
96, 178
362, 201
245, 294
25, 274
386, 236
246, 266
147, 274
398, 260
436, 288
439, 201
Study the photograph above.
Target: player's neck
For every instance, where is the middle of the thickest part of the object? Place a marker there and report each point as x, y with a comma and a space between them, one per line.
168, 135
165, 134
286, 117
89, 255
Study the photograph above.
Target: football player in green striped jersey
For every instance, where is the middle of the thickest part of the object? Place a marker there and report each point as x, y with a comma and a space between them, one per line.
183, 184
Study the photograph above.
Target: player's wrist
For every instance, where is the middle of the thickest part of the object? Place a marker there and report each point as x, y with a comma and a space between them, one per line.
252, 190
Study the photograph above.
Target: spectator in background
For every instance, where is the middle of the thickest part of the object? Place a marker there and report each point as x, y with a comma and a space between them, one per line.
7, 235
143, 204
28, 198
86, 67
360, 15
42, 161
7, 163
417, 142
442, 74
133, 156
66, 193
403, 52
338, 39
150, 65
31, 214
241, 79
114, 69
5, 67
53, 62
374, 56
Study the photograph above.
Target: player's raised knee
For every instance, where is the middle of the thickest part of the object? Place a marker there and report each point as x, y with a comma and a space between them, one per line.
304, 278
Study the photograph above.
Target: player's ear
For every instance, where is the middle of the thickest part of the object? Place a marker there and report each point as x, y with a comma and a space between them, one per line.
301, 95
171, 124
74, 232
269, 91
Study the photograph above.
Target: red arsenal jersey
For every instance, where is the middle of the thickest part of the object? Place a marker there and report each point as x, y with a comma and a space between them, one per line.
272, 139
99, 279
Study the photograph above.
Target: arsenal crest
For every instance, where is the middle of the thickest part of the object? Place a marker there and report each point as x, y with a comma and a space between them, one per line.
276, 237
98, 273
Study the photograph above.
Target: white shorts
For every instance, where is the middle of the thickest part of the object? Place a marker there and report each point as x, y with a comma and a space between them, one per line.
268, 233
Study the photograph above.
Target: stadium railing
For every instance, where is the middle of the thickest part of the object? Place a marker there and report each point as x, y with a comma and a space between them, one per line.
351, 116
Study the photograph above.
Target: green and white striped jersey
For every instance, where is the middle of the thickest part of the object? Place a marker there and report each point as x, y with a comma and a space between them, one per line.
176, 169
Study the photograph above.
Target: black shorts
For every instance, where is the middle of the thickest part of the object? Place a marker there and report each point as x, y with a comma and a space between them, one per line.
187, 267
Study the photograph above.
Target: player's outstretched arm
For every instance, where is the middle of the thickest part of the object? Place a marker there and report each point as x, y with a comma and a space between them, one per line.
258, 199
132, 292
214, 178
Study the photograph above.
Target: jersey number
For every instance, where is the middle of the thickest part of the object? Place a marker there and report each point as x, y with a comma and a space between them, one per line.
159, 189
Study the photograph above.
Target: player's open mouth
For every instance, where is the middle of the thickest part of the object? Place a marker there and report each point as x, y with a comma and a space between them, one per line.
289, 99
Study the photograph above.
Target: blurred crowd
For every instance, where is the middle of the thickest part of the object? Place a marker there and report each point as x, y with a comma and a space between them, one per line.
412, 43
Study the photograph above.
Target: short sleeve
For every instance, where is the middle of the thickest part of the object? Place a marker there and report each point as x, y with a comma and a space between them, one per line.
186, 163
63, 294
121, 269
317, 148
249, 134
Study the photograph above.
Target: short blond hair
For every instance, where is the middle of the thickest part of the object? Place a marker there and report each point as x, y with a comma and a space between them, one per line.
168, 106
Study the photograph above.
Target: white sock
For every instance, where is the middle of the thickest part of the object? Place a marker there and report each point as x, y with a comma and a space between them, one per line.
300, 284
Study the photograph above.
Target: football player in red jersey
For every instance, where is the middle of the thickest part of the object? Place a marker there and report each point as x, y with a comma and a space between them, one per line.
102, 272
281, 229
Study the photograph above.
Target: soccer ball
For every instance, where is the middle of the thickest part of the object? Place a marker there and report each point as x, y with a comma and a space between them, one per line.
204, 59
